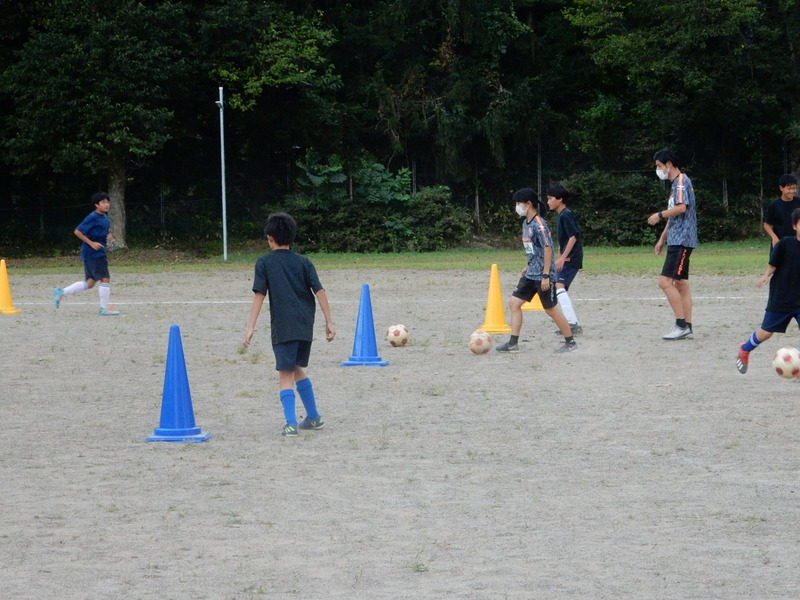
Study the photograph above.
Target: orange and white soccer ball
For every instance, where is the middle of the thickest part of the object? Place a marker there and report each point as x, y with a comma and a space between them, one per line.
787, 362
397, 335
480, 342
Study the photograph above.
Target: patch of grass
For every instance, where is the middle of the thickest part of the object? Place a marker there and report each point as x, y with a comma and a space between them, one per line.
729, 258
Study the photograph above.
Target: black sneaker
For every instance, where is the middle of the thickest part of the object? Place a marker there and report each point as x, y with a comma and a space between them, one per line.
575, 328
507, 347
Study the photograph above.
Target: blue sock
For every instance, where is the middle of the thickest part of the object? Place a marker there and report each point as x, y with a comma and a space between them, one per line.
751, 344
287, 400
306, 392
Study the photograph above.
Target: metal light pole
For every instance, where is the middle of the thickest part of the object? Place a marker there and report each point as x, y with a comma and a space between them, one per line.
221, 105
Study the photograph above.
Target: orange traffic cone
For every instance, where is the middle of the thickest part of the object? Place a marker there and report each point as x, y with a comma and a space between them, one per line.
495, 320
6, 304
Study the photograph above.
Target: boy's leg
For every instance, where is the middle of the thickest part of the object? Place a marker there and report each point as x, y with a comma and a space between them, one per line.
686, 298
515, 306
306, 391
565, 303
286, 383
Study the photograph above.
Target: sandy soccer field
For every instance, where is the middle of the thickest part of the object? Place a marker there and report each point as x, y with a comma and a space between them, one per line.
632, 468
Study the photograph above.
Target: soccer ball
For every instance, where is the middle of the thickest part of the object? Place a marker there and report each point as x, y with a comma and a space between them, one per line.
787, 362
397, 335
480, 342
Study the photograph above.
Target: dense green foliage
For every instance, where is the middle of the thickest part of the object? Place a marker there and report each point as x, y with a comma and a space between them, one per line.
389, 125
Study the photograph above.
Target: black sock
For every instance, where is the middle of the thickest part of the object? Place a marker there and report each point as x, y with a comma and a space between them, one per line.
681, 323
513, 340
689, 325
569, 340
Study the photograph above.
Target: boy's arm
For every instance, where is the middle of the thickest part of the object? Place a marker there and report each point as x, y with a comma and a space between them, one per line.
325, 307
94, 245
565, 253
546, 268
255, 309
771, 233
765, 277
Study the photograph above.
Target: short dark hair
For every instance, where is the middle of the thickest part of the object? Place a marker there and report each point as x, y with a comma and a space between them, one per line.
787, 179
666, 155
281, 227
558, 191
795, 216
528, 195
98, 196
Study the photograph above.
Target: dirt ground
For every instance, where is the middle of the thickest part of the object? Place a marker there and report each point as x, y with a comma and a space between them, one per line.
631, 468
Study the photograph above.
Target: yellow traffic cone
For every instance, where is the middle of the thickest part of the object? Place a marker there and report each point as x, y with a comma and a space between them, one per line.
495, 321
6, 304
534, 304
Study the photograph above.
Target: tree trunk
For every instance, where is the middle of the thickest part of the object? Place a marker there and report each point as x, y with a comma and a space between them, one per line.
116, 189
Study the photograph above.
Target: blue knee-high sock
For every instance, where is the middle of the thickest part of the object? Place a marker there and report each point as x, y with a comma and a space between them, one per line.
751, 344
306, 391
288, 401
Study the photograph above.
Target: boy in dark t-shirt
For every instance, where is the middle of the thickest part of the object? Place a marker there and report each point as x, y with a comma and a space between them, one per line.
778, 218
570, 252
783, 304
290, 280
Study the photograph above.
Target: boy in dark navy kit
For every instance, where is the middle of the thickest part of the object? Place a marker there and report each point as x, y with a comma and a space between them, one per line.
783, 304
291, 282
778, 218
570, 252
94, 233
537, 275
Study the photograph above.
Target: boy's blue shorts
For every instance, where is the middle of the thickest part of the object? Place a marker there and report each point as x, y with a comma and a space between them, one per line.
776, 322
290, 355
96, 268
566, 275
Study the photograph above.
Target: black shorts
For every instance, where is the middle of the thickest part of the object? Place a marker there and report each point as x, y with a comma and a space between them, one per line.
676, 265
290, 355
96, 268
527, 288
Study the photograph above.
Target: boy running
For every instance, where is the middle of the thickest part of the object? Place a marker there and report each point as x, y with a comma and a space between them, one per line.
538, 274
783, 303
290, 280
94, 233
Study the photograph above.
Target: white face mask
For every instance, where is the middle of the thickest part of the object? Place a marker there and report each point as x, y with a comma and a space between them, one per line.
662, 175
521, 210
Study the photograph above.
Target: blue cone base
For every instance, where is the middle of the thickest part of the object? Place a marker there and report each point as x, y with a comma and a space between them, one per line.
194, 434
364, 362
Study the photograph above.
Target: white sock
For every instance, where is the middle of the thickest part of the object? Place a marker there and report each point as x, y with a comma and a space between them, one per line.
566, 306
105, 293
78, 286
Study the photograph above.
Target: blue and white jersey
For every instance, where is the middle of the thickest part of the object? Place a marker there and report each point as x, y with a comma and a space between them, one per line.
682, 228
535, 238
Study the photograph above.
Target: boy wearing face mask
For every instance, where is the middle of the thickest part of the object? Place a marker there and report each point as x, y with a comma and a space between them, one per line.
680, 237
537, 276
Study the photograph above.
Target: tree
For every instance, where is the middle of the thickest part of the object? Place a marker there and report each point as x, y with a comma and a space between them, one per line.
88, 90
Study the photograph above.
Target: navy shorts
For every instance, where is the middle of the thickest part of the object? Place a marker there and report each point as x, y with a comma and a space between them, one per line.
96, 268
566, 275
676, 265
290, 355
776, 322
527, 288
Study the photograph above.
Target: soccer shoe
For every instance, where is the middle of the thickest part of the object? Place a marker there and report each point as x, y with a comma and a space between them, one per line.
567, 347
58, 294
575, 328
108, 312
307, 423
742, 360
289, 430
507, 347
677, 333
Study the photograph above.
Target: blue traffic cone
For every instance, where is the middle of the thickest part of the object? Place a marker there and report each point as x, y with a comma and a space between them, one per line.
177, 416
365, 349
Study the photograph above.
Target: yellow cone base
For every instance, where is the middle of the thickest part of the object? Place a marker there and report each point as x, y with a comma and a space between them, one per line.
534, 304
